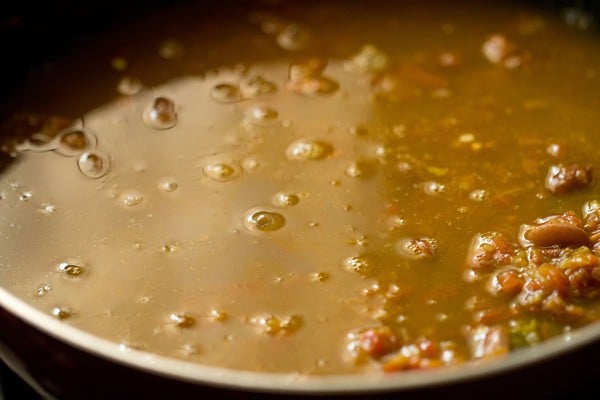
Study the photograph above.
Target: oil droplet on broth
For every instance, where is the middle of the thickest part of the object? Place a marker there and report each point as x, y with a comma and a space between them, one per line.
306, 149
161, 114
226, 93
263, 220
93, 164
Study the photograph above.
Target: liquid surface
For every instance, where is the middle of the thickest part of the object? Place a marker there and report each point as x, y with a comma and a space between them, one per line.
350, 201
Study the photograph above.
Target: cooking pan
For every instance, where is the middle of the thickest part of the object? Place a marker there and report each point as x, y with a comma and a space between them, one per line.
62, 362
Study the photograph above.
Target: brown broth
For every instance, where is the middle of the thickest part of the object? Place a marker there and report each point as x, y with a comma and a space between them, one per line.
171, 263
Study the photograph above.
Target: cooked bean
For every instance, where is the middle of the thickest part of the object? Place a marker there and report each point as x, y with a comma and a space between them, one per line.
566, 178
546, 235
489, 250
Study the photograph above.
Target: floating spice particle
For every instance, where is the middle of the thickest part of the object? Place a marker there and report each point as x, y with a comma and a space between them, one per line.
71, 269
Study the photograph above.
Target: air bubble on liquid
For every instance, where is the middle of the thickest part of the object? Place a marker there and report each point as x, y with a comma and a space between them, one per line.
61, 312
308, 149
167, 184
306, 77
226, 93
261, 116
161, 114
221, 168
258, 86
43, 289
359, 169
263, 220
170, 49
25, 196
93, 164
360, 264
131, 198
47, 209
433, 188
284, 199
416, 249
369, 60
294, 37
128, 86
478, 195
74, 141
250, 164
169, 248
182, 320
217, 315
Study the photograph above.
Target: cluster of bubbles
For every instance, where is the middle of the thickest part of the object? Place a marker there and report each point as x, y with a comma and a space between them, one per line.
74, 142
308, 78
273, 325
257, 86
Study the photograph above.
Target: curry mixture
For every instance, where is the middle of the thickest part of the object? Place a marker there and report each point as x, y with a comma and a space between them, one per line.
329, 188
